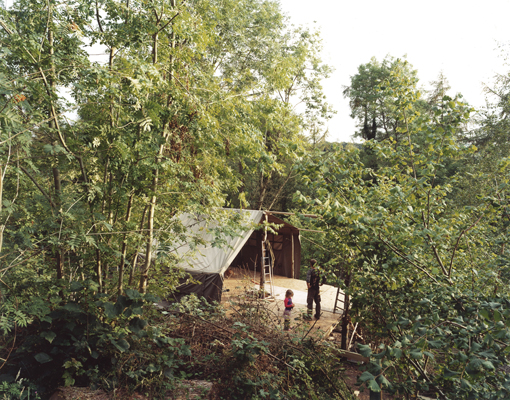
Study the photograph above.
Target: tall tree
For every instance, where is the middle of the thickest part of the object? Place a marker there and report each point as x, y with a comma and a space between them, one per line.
423, 267
35, 38
289, 79
370, 97
190, 93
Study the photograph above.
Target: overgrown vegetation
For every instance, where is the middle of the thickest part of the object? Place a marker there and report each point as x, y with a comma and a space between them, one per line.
189, 108
249, 356
130, 345
192, 109
425, 263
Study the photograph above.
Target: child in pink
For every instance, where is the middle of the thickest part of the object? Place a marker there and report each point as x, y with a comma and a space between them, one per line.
288, 309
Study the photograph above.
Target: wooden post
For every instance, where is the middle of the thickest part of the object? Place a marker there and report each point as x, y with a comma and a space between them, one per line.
336, 299
376, 395
263, 261
345, 316
292, 245
260, 246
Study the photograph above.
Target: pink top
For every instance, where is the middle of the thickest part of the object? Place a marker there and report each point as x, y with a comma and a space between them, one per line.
288, 303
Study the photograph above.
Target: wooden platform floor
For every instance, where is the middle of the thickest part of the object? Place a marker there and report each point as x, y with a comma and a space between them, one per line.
243, 283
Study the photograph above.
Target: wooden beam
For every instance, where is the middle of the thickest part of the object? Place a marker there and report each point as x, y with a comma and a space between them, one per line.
289, 213
352, 356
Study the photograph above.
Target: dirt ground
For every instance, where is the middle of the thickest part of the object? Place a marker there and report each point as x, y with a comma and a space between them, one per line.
189, 390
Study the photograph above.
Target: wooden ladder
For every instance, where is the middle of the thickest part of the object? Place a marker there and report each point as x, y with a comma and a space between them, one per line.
268, 259
266, 266
337, 300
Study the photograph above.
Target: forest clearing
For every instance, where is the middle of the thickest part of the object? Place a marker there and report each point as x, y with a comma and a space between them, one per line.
128, 182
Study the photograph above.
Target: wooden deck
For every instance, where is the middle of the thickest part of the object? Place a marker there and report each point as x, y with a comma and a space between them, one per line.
243, 283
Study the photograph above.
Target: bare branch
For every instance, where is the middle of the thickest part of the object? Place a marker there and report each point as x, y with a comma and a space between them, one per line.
457, 244
401, 254
39, 187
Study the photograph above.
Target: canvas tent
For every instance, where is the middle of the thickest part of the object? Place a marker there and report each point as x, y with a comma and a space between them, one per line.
209, 260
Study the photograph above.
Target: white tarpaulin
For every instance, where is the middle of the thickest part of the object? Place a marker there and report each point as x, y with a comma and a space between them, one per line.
218, 251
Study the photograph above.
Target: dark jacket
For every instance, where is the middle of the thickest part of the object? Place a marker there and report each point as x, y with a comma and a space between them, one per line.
313, 277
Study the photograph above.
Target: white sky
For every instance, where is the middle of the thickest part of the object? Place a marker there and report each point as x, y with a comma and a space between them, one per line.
461, 38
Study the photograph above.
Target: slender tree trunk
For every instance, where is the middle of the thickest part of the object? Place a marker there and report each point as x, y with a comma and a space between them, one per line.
150, 230
155, 48
103, 267
99, 261
240, 168
106, 266
172, 46
264, 182
110, 65
105, 175
99, 270
58, 253
52, 125
124, 247
152, 206
56, 180
135, 257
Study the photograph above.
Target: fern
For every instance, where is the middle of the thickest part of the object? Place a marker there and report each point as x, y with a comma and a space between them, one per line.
12, 314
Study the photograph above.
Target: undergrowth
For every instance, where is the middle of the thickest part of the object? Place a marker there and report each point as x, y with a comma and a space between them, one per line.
128, 344
249, 356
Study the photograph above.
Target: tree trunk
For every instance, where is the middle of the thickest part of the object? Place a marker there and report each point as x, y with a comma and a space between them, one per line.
110, 66
150, 231
264, 182
56, 173
124, 247
135, 257
152, 206
58, 252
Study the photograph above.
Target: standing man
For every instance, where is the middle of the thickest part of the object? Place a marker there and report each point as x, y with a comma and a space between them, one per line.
313, 281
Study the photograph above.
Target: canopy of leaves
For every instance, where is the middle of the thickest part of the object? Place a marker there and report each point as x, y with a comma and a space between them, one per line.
190, 100
425, 271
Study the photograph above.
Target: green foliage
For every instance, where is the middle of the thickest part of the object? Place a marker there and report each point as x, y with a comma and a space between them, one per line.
452, 346
371, 95
426, 269
84, 341
245, 347
195, 102
249, 356
19, 389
